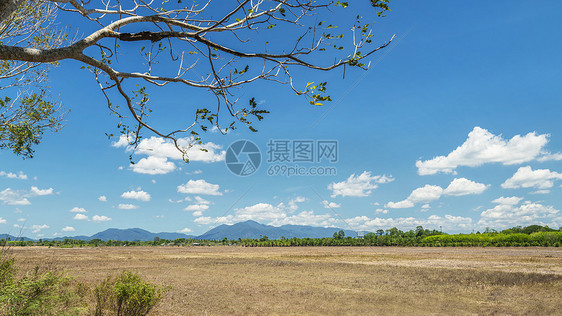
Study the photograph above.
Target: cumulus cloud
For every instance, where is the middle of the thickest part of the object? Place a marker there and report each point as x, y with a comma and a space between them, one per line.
78, 210
197, 207
19, 197
448, 222
136, 195
513, 200
68, 229
127, 206
200, 200
330, 204
81, 217
185, 231
293, 204
429, 193
2, 220
541, 192
154, 165
358, 186
159, 150
12, 197
200, 205
102, 198
37, 228
484, 147
424, 194
199, 187
266, 213
100, 218
509, 214
463, 186
526, 177
381, 211
549, 157
11, 175
35, 191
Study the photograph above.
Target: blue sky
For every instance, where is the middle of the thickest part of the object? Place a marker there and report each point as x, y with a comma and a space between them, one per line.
456, 124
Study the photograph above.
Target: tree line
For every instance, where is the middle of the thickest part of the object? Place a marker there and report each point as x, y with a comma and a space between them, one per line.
534, 235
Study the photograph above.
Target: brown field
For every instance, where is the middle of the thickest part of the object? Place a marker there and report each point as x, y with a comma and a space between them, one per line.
329, 280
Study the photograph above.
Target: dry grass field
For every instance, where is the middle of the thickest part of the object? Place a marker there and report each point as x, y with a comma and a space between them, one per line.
329, 281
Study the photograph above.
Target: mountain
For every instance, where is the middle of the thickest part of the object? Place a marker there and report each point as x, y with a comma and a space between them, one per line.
135, 234
130, 234
247, 229
252, 229
6, 236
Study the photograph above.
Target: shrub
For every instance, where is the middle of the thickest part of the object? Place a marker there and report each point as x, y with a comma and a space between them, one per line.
36, 292
126, 295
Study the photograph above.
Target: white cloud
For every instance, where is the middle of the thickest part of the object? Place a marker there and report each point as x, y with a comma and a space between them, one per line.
2, 220
463, 186
199, 187
330, 204
153, 165
200, 200
185, 231
272, 215
127, 206
293, 204
424, 194
526, 177
136, 195
484, 147
307, 218
429, 193
38, 192
400, 204
160, 150
357, 185
260, 212
540, 192
102, 198
81, 217
78, 210
11, 175
448, 222
99, 219
381, 211
200, 206
37, 228
197, 207
21, 219
19, 197
513, 200
549, 157
12, 197
68, 229
510, 215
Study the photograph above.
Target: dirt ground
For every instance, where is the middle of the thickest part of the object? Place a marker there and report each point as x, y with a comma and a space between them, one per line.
328, 280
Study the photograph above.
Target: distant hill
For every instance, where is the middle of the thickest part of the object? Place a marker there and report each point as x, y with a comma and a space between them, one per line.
247, 229
11, 237
252, 229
